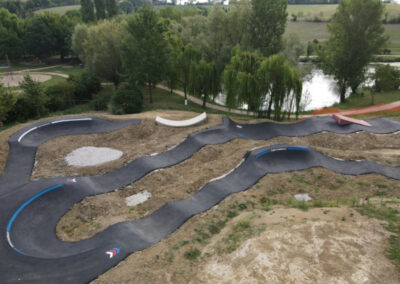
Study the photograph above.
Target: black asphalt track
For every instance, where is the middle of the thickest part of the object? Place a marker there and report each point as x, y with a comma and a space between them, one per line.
30, 252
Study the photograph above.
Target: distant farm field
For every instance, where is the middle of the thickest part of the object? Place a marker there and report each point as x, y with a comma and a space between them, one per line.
60, 10
308, 31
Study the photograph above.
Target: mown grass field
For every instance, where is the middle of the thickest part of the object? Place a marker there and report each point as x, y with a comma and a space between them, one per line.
59, 10
308, 31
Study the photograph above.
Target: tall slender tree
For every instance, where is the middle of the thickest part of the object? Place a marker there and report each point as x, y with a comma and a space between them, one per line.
268, 23
145, 51
356, 34
100, 9
87, 11
112, 8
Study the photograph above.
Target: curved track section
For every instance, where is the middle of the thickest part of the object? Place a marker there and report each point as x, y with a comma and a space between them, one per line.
31, 252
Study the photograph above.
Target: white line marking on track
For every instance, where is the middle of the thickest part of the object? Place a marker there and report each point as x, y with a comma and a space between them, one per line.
26, 132
53, 122
9, 240
70, 120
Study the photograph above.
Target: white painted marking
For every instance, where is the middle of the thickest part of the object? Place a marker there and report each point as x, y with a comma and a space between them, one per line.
224, 175
153, 154
71, 120
110, 254
26, 132
54, 122
239, 126
278, 149
9, 240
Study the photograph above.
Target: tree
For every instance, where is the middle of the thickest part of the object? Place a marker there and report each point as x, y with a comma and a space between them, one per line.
33, 100
283, 84
241, 82
126, 7
100, 9
386, 78
48, 34
263, 82
87, 11
99, 46
268, 23
204, 80
127, 101
7, 102
112, 8
175, 50
145, 51
11, 33
292, 48
188, 57
356, 34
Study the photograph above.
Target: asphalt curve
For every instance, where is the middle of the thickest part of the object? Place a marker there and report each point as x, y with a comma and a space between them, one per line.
30, 252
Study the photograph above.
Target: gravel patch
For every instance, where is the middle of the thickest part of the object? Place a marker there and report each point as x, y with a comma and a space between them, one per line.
137, 198
92, 156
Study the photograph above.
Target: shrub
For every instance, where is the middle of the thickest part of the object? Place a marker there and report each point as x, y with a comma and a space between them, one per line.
127, 101
86, 84
386, 78
193, 253
60, 96
7, 102
31, 103
100, 101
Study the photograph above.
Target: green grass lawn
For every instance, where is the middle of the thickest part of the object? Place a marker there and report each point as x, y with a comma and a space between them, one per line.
380, 98
165, 100
309, 12
59, 10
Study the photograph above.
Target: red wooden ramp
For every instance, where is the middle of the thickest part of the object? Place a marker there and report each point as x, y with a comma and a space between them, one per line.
343, 120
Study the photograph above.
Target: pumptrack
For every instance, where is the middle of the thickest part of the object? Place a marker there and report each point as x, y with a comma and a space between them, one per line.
30, 251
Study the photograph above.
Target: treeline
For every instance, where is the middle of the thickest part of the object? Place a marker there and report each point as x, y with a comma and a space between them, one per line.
294, 2
201, 52
26, 8
38, 36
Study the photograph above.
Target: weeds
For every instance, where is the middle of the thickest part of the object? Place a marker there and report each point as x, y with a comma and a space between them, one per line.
192, 253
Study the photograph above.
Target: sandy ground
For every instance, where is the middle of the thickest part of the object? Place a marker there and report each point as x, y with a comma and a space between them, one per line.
324, 245
306, 247
296, 247
15, 80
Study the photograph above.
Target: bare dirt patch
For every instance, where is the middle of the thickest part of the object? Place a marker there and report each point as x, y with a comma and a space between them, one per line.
15, 80
134, 141
306, 247
296, 247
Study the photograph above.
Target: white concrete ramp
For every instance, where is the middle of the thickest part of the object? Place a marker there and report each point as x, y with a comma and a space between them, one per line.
181, 123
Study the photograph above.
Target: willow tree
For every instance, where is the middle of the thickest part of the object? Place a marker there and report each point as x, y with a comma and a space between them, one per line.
241, 82
264, 84
283, 84
204, 80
